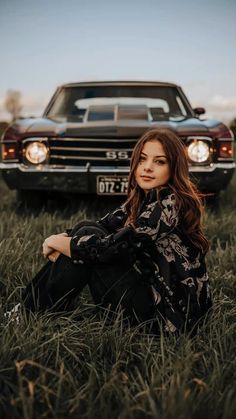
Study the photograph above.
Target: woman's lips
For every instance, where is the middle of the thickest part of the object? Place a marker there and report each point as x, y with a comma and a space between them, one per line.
147, 178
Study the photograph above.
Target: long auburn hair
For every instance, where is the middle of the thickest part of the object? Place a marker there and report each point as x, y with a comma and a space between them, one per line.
188, 198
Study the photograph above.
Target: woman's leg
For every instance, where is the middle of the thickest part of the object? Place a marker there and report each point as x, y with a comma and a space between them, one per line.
55, 285
35, 296
121, 285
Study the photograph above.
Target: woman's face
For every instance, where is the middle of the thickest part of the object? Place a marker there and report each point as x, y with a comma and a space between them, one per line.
153, 169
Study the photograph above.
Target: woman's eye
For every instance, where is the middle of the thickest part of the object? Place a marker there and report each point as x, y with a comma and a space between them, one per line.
141, 158
160, 162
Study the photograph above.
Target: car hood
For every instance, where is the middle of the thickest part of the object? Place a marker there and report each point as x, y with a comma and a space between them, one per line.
113, 129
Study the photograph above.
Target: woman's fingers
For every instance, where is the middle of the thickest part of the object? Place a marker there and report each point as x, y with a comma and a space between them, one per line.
51, 243
50, 253
54, 256
46, 249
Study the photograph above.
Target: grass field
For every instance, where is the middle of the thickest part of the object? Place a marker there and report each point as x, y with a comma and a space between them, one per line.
60, 367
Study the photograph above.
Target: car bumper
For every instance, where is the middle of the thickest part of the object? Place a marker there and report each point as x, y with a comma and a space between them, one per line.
66, 179
210, 178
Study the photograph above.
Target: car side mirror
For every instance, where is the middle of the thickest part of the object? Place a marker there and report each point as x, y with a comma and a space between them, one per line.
199, 111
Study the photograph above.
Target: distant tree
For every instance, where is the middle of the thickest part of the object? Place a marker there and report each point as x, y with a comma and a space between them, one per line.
13, 103
232, 125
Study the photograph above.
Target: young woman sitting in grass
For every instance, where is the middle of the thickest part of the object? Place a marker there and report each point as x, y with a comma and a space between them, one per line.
147, 257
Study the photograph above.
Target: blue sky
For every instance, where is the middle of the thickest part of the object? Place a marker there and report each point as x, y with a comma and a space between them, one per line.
48, 42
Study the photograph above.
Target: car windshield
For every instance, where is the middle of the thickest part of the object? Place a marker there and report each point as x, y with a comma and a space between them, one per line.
110, 103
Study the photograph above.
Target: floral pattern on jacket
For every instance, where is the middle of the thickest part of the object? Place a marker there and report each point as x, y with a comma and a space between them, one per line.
178, 275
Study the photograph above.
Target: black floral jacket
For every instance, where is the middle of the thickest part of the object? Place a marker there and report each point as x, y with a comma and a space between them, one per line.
178, 274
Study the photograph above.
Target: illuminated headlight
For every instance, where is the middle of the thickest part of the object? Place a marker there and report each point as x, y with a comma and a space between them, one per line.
36, 152
198, 151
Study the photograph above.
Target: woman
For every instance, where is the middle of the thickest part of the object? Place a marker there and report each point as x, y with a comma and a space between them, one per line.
148, 256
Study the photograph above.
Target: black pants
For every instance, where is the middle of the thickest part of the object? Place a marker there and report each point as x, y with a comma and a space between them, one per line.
111, 285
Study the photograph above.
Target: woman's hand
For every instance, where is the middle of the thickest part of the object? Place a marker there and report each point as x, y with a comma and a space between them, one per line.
54, 256
47, 250
49, 246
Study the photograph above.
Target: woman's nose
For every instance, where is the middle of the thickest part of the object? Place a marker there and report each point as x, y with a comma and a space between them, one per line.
148, 165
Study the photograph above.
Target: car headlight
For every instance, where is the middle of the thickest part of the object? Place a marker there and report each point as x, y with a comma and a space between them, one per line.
36, 152
198, 151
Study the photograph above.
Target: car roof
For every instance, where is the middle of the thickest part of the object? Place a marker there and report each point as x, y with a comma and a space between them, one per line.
119, 83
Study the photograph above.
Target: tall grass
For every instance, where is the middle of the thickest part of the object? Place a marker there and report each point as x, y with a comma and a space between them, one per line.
81, 366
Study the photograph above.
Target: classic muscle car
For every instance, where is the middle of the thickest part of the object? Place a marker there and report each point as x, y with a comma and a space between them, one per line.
85, 137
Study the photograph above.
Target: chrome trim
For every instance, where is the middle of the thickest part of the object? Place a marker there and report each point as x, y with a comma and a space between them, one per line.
66, 169
223, 159
10, 160
198, 137
35, 139
103, 169
9, 166
212, 167
55, 156
89, 149
96, 140
8, 141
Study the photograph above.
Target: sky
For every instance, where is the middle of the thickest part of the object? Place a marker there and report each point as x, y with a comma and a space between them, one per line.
50, 42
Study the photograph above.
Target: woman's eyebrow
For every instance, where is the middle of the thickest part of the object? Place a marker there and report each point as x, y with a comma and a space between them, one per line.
154, 156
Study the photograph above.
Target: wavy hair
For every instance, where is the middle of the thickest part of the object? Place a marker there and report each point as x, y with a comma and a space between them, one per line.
188, 198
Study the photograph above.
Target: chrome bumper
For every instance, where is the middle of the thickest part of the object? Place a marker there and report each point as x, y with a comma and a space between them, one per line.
102, 169
82, 179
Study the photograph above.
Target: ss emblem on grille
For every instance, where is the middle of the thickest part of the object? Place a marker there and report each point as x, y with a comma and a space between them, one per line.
119, 155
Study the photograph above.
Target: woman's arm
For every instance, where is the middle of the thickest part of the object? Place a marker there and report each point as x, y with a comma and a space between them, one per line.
94, 248
57, 242
155, 221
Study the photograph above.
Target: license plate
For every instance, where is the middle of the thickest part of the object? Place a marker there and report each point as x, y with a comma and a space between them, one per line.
112, 185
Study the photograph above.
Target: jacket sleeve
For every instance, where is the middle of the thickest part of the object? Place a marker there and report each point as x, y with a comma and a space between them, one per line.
111, 222
114, 220
105, 248
125, 243
160, 217
101, 248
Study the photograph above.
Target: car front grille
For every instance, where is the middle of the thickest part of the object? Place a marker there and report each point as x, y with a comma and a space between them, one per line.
98, 152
